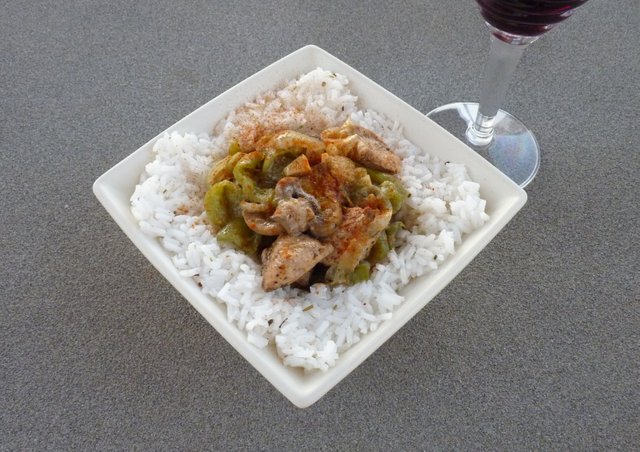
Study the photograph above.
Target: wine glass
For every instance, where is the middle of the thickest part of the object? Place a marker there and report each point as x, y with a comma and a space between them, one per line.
497, 135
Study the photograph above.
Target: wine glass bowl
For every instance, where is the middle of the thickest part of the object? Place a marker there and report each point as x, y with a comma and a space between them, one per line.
497, 135
526, 18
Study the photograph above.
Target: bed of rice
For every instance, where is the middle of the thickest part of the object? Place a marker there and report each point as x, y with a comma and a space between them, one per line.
308, 329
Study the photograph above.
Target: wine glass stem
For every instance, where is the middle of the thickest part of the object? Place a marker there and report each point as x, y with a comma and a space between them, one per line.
503, 59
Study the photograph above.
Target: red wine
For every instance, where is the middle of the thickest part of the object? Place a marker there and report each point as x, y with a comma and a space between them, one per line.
526, 17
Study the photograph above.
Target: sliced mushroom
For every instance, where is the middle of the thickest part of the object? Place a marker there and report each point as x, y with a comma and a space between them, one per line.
327, 218
262, 225
254, 207
257, 217
293, 215
290, 187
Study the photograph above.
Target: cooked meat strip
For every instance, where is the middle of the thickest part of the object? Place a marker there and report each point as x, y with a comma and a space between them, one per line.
375, 154
353, 240
303, 281
345, 171
363, 146
289, 258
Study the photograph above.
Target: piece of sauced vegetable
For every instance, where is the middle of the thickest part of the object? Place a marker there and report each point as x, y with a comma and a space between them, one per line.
275, 162
299, 167
247, 174
397, 195
222, 203
223, 170
359, 192
243, 187
336, 276
390, 191
378, 177
234, 148
379, 250
391, 232
361, 273
385, 243
233, 161
237, 234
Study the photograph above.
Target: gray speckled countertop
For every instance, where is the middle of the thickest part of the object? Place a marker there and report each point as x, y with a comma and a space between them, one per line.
535, 345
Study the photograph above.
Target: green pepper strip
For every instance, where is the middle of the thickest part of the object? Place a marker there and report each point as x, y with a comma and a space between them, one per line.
391, 188
396, 197
378, 177
379, 250
223, 169
246, 172
237, 234
360, 273
234, 148
385, 243
222, 203
391, 232
275, 162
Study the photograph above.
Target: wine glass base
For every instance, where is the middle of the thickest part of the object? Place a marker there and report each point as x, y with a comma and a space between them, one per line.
513, 149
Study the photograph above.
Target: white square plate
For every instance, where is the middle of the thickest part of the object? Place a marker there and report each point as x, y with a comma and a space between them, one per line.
504, 199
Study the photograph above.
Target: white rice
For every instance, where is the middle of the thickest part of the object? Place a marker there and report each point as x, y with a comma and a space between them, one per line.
308, 329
